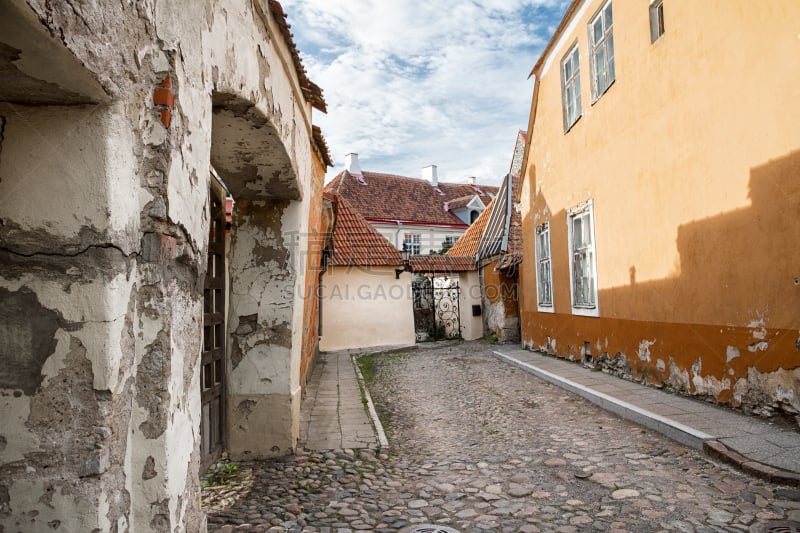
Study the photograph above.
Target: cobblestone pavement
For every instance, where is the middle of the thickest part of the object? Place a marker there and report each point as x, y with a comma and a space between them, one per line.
478, 445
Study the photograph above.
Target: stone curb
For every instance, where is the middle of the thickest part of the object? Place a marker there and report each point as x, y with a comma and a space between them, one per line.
674, 430
682, 433
717, 450
376, 421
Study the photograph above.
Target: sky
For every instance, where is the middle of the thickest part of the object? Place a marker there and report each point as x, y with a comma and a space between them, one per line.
410, 83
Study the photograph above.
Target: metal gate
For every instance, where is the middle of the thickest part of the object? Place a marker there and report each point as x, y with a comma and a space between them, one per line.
436, 314
212, 373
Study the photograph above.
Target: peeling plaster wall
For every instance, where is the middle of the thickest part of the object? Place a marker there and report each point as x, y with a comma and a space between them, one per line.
697, 271
499, 295
103, 239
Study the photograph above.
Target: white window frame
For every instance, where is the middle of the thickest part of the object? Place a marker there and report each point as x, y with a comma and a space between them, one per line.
656, 20
605, 44
412, 241
573, 82
544, 263
586, 212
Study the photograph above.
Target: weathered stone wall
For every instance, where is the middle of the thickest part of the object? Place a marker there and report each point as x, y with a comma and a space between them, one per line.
108, 124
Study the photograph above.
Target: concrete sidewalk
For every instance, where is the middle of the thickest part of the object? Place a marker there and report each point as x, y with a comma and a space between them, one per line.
757, 446
333, 415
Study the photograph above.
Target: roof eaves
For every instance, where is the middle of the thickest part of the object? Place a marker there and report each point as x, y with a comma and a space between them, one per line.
321, 146
573, 7
311, 91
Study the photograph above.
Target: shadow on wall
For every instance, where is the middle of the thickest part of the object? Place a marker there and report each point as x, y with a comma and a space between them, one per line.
727, 326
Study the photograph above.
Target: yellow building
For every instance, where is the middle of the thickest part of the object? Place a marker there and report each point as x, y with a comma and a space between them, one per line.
661, 197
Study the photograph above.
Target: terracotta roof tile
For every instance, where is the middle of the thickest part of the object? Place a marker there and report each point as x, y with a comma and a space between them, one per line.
311, 91
357, 243
467, 244
321, 146
441, 263
390, 197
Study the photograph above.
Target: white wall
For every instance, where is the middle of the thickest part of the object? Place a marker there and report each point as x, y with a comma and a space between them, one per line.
471, 326
364, 307
431, 237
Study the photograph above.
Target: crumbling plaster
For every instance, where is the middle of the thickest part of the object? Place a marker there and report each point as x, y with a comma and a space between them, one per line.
108, 229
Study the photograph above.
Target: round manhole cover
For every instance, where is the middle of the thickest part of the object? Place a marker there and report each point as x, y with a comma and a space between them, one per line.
428, 528
782, 526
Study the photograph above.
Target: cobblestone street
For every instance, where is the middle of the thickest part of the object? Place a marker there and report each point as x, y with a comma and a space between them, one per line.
478, 445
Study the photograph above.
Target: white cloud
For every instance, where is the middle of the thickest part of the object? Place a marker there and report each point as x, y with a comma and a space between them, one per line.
414, 82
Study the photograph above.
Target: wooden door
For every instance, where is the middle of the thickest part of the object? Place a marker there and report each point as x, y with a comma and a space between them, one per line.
212, 374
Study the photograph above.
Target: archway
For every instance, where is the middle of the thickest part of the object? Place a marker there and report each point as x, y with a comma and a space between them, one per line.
251, 159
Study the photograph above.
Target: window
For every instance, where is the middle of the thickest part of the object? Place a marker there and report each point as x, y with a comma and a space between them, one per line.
656, 19
583, 270
601, 45
571, 87
544, 273
411, 243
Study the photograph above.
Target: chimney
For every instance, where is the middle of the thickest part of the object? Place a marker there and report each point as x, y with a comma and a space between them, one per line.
429, 174
472, 180
351, 164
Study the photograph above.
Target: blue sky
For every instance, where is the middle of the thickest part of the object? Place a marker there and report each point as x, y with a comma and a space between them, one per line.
410, 83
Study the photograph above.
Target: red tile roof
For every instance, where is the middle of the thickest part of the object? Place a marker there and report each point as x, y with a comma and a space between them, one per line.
357, 243
441, 263
311, 91
390, 197
321, 146
467, 245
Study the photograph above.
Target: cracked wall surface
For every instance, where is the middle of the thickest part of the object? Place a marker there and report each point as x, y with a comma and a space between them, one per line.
103, 237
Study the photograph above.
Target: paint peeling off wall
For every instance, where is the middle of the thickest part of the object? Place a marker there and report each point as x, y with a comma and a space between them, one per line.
104, 165
769, 393
644, 349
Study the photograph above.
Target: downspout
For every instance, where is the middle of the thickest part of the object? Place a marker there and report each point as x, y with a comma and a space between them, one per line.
397, 234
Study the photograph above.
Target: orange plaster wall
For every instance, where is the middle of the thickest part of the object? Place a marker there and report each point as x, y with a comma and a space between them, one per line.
692, 162
498, 286
316, 243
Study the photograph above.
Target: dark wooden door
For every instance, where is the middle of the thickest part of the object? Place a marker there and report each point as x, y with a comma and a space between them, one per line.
212, 375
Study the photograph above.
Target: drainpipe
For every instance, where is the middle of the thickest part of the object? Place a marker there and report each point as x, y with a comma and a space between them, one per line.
397, 234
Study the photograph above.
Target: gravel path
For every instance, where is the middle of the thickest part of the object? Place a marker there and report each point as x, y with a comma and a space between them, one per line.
478, 445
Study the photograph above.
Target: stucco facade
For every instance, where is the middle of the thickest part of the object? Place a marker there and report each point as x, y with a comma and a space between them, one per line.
470, 295
687, 165
366, 307
110, 117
